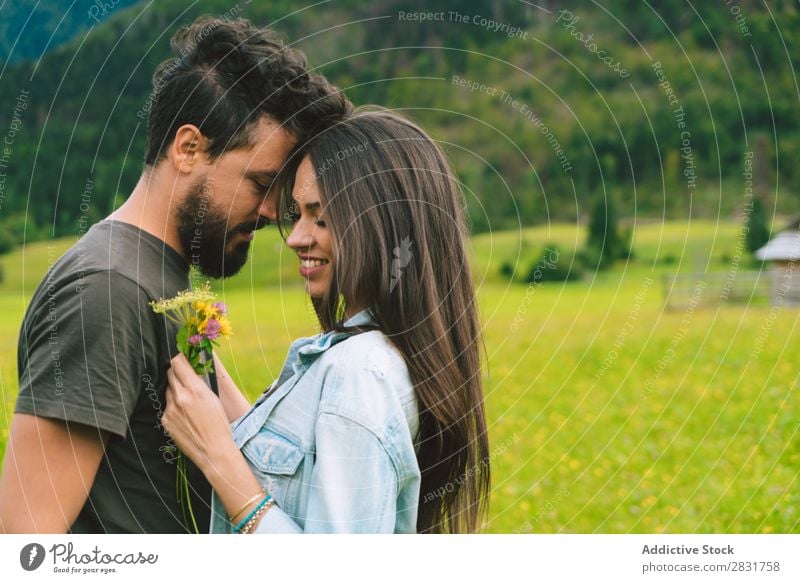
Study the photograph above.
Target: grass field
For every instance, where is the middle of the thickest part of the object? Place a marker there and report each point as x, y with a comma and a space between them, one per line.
607, 413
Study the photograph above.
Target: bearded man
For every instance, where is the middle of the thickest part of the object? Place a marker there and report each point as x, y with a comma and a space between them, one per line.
87, 452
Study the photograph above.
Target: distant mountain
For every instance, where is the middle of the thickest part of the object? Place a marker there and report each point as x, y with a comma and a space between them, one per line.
29, 28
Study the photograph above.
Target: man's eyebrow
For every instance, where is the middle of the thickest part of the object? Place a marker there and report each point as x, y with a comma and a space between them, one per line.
262, 174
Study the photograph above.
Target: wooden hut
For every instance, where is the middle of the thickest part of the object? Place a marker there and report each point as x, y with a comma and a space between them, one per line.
783, 254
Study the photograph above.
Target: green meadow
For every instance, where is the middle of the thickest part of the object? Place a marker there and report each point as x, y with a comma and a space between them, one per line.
607, 412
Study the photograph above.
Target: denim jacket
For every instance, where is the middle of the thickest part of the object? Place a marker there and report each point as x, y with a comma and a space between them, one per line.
333, 439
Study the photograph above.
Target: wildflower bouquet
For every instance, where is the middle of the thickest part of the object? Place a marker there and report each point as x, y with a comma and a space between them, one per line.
201, 322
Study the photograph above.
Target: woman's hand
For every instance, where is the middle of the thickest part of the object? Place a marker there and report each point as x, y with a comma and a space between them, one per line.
195, 419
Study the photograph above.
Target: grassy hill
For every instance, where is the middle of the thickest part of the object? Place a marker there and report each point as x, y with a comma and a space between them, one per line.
700, 245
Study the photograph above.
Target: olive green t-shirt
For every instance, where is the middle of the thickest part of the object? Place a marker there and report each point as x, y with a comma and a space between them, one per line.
92, 351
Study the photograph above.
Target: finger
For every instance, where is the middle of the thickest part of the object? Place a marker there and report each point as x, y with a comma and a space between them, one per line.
178, 359
183, 370
166, 417
174, 387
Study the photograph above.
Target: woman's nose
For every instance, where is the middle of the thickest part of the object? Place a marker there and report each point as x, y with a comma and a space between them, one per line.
301, 236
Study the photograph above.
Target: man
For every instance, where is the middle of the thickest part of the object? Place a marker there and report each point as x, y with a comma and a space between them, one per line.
86, 451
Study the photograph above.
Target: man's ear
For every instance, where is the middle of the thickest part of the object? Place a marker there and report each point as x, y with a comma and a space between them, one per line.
187, 149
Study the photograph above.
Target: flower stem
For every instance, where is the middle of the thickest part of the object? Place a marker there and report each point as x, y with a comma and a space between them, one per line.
182, 492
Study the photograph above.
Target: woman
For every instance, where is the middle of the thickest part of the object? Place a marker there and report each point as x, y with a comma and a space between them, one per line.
376, 424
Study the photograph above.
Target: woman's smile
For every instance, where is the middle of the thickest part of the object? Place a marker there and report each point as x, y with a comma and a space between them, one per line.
312, 266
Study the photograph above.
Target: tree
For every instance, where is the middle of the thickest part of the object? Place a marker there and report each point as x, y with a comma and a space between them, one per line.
605, 241
757, 229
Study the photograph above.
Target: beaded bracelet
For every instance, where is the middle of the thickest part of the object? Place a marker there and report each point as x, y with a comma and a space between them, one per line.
254, 520
233, 517
247, 518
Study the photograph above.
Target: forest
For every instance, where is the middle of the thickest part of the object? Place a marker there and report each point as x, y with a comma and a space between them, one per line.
541, 107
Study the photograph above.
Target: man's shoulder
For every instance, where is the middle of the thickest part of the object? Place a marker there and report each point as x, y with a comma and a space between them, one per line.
113, 254
88, 302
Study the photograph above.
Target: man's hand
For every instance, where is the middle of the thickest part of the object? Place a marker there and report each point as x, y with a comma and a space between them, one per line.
47, 474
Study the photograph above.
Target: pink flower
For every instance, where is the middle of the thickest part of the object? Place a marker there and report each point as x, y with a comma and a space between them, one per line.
212, 328
195, 339
221, 307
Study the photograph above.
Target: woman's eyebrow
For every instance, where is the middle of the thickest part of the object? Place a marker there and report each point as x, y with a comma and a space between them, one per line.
312, 206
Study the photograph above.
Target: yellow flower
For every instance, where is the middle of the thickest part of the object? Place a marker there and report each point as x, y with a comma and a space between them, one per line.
204, 308
224, 326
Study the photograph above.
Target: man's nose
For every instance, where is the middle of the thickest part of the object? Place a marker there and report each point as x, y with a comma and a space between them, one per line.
269, 206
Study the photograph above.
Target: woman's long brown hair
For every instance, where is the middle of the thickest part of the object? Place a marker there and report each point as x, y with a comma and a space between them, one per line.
397, 219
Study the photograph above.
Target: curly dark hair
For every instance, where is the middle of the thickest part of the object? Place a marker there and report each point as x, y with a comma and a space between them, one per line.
226, 75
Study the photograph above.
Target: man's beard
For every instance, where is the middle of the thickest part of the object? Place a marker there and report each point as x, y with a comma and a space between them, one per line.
204, 234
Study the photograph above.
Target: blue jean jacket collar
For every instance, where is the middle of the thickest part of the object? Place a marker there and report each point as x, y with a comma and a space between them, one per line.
308, 351
302, 354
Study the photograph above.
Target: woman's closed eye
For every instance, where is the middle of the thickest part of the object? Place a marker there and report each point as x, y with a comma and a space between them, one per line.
293, 216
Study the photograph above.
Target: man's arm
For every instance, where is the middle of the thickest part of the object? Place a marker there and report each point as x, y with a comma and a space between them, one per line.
49, 469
